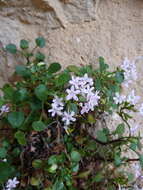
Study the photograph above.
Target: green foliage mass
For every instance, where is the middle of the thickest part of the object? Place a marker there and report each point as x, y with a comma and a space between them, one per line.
39, 151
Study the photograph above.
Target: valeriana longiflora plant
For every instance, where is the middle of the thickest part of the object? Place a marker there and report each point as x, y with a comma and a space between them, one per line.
46, 116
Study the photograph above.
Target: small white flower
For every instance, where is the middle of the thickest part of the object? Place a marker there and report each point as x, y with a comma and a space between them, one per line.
87, 79
68, 117
75, 82
12, 183
72, 93
119, 99
93, 99
141, 109
130, 72
85, 108
137, 170
56, 110
4, 109
132, 98
81, 82
57, 106
87, 90
58, 101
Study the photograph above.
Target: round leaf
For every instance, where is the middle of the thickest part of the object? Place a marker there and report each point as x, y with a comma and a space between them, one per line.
41, 92
75, 156
40, 42
20, 136
38, 126
5, 171
16, 119
63, 79
24, 44
11, 48
101, 136
54, 67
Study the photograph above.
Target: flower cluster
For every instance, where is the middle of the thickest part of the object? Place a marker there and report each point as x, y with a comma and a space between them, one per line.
79, 87
83, 86
131, 98
57, 109
130, 71
11, 184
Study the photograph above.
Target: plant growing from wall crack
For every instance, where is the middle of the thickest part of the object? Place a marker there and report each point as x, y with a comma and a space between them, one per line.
45, 119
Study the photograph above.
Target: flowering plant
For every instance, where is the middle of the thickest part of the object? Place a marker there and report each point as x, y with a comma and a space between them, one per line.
54, 132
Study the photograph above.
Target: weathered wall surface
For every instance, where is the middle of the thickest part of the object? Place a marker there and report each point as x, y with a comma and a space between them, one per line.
77, 31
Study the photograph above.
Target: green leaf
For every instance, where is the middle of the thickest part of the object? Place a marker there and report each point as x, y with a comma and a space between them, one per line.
85, 69
11, 48
6, 171
73, 68
8, 92
75, 156
53, 168
37, 164
73, 107
119, 77
98, 84
63, 79
103, 66
41, 92
53, 160
75, 167
23, 94
20, 136
54, 67
16, 119
22, 71
84, 174
40, 42
117, 160
98, 178
38, 126
3, 153
40, 56
92, 145
101, 136
141, 160
91, 119
120, 129
59, 185
24, 44
35, 181
133, 146
36, 104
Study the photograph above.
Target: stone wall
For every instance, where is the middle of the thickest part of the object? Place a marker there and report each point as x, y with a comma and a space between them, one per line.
76, 31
